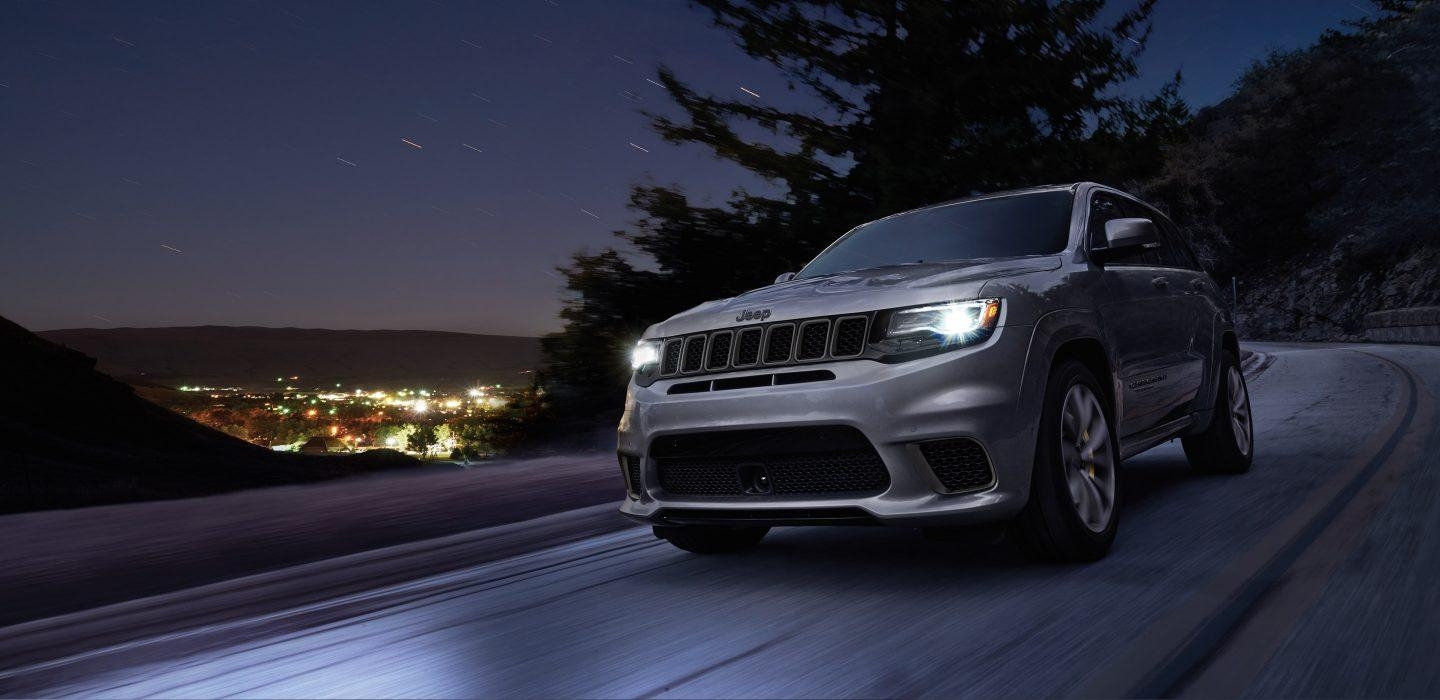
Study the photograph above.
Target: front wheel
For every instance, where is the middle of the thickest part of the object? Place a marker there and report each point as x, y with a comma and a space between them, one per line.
712, 539
1073, 510
1228, 443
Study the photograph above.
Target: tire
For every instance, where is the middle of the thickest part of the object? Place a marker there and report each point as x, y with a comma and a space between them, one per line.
1074, 507
712, 539
1227, 445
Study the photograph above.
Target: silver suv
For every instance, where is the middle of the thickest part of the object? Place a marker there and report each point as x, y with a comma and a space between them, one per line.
988, 360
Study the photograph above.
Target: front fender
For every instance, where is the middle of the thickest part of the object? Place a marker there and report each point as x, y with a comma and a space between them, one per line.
1050, 332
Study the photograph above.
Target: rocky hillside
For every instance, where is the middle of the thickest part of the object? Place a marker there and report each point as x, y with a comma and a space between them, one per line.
1314, 184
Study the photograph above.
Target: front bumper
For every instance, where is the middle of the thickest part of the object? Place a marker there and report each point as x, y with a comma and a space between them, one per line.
970, 392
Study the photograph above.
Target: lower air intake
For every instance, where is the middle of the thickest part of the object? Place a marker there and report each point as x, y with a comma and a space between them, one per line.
630, 465
959, 464
825, 460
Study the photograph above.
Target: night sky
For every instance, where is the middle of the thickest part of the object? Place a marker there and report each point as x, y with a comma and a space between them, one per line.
251, 163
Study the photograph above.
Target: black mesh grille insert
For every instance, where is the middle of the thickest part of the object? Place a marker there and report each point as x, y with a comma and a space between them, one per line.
694, 354
960, 464
631, 466
777, 348
671, 362
797, 461
849, 336
747, 347
852, 471
719, 355
813, 337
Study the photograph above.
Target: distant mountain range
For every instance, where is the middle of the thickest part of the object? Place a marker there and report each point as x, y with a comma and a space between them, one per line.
254, 357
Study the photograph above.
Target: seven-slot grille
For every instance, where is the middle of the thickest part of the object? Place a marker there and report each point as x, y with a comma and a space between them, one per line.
782, 343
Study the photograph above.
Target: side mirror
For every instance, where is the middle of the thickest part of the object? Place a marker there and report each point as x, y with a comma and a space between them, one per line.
1126, 236
785, 277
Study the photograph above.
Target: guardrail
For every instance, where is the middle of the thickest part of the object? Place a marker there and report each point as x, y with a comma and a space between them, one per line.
1420, 324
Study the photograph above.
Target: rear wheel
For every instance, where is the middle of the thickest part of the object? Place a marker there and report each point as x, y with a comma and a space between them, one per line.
1228, 444
712, 539
1073, 510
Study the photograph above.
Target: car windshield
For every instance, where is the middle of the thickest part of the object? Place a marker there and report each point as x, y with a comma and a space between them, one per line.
996, 227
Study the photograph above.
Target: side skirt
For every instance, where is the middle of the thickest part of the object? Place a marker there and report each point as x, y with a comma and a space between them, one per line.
1144, 440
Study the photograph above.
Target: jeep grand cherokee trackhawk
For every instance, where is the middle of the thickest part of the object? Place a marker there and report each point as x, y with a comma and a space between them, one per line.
981, 361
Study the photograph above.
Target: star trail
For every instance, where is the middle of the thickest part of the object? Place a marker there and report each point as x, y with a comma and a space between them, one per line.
411, 165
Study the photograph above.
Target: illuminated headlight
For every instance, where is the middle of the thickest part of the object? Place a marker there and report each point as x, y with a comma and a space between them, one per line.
645, 355
954, 324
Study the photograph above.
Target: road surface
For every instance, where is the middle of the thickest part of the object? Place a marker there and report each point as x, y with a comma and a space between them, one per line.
1312, 575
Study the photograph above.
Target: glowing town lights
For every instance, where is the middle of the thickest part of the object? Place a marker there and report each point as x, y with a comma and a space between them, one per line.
354, 416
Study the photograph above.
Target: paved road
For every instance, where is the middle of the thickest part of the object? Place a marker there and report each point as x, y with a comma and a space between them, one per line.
1312, 575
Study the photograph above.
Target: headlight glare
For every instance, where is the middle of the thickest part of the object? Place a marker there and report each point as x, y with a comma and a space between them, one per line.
645, 354
952, 324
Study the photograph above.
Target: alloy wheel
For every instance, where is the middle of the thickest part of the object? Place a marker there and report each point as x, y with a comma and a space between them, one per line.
1088, 460
1240, 423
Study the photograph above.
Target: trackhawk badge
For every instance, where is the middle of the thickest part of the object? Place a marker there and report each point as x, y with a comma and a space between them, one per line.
756, 315
1147, 382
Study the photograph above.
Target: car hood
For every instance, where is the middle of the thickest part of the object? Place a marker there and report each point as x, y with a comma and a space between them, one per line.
853, 292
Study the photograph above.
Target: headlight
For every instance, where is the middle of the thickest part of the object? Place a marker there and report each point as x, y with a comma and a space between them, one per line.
645, 355
938, 326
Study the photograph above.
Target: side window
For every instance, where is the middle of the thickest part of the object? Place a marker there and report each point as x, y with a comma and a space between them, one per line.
1103, 208
1168, 254
1178, 243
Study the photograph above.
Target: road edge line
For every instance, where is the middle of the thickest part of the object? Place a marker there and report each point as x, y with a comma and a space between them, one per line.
1232, 666
1165, 653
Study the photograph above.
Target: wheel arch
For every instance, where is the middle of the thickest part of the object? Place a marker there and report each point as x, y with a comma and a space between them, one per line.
1090, 352
1228, 341
1224, 339
1066, 334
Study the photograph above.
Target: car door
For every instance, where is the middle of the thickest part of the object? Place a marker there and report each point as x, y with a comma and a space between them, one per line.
1143, 317
1197, 312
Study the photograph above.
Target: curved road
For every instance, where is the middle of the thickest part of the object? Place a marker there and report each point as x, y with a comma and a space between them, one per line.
1312, 575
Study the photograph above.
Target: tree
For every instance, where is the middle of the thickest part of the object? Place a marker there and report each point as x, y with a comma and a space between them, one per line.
443, 436
421, 439
393, 435
912, 103
1317, 173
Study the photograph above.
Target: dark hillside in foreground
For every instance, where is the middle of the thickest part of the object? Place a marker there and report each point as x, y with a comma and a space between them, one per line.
252, 357
71, 436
